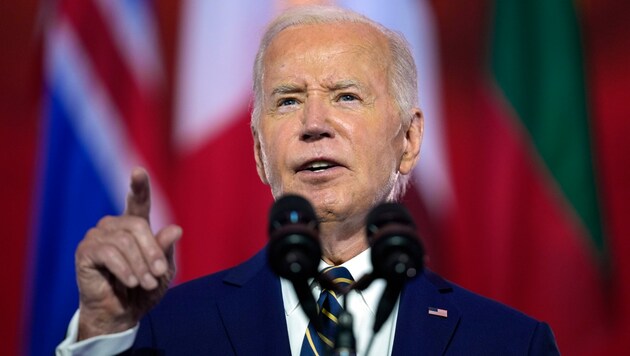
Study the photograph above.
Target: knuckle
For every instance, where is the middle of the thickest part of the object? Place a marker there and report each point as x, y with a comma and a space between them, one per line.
87, 243
80, 251
153, 254
111, 259
138, 223
125, 244
91, 234
151, 249
140, 268
106, 221
108, 253
124, 241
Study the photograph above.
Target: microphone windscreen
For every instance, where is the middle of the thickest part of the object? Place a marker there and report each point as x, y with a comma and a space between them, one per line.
291, 209
397, 253
293, 251
387, 213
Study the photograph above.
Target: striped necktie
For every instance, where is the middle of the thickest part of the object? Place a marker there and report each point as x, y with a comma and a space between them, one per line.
320, 343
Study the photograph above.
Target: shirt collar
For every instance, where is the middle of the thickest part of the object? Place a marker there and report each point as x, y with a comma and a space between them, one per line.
358, 266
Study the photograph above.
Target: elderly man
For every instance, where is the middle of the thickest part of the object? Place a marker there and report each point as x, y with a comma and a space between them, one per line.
335, 120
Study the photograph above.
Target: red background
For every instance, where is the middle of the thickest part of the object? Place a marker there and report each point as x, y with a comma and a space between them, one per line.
607, 47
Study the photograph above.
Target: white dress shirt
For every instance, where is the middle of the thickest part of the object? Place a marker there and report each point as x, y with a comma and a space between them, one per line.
362, 306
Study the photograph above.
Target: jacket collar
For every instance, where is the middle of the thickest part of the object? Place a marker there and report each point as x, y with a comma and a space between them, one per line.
252, 311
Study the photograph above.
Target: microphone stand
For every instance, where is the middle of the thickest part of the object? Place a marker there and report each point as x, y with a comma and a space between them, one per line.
345, 342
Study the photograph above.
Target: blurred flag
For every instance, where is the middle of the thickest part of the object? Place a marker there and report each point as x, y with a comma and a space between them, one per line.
101, 89
526, 227
219, 199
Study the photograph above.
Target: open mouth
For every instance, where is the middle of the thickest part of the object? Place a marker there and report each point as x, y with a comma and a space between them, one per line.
317, 166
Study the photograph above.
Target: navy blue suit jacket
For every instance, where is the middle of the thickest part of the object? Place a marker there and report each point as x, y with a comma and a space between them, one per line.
240, 312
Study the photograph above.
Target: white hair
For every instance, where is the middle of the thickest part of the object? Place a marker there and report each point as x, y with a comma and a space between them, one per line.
403, 75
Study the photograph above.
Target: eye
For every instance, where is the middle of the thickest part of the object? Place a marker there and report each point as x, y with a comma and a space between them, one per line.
287, 102
347, 97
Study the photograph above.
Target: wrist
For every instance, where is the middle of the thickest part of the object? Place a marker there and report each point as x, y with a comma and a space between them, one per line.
95, 323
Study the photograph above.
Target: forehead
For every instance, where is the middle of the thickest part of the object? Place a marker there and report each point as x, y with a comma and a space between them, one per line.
327, 46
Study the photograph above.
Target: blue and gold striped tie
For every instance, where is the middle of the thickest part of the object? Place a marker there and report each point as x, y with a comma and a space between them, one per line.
320, 343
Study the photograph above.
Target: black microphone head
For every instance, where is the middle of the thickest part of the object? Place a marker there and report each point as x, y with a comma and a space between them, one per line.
397, 253
292, 209
293, 251
387, 213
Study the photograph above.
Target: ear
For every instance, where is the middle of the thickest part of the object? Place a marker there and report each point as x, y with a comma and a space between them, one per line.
260, 167
413, 140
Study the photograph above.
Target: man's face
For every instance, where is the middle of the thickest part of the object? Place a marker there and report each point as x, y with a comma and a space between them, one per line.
330, 130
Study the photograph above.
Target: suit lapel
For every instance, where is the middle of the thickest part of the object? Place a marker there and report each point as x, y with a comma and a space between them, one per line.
417, 330
252, 311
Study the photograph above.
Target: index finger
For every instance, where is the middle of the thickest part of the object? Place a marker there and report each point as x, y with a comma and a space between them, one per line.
139, 197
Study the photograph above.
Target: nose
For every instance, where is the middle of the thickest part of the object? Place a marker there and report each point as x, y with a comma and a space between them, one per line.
316, 120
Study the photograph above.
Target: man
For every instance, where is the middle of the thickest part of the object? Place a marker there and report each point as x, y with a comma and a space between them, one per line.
335, 120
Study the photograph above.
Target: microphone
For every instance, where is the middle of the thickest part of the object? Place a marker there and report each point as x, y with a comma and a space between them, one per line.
397, 254
294, 251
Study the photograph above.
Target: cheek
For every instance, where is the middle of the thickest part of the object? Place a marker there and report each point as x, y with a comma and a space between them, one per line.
383, 154
270, 160
380, 142
273, 155
273, 173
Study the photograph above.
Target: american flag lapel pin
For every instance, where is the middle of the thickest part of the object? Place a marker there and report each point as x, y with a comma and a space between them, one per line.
438, 312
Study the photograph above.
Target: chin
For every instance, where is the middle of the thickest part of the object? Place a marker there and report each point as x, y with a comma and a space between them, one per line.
332, 207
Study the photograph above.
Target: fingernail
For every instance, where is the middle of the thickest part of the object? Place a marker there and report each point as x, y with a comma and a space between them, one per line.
159, 266
132, 281
149, 281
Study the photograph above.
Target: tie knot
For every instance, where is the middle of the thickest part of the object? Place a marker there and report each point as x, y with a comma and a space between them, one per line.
339, 276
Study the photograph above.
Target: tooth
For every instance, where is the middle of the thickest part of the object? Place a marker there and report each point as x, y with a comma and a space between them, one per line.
319, 165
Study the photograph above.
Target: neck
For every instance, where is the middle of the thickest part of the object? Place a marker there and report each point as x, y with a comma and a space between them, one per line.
340, 244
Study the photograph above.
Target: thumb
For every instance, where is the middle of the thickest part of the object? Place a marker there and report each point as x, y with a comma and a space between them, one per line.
166, 239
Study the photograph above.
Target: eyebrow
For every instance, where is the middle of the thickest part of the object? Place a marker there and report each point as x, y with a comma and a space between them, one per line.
345, 84
286, 89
